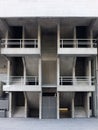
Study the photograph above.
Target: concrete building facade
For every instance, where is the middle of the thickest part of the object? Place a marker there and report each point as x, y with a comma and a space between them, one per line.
48, 64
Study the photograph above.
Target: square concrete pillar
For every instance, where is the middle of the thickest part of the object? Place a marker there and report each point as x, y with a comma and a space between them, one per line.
40, 105
58, 113
73, 108
10, 104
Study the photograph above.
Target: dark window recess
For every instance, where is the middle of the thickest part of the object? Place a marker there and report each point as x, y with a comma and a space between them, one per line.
81, 33
15, 37
19, 98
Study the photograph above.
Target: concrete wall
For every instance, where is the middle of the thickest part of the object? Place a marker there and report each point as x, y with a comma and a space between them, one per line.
49, 73
31, 66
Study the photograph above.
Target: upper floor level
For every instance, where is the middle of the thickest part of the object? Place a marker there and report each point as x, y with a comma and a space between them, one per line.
59, 36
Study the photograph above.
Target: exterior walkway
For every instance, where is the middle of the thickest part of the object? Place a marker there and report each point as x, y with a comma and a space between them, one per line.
50, 124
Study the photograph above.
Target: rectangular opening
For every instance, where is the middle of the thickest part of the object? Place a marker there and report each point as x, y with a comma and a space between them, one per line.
16, 36
49, 75
81, 35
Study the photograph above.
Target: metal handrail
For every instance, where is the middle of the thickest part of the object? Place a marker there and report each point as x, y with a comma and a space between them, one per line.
77, 79
20, 43
21, 79
77, 42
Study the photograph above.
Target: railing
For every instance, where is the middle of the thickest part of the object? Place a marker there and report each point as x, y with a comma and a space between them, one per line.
69, 80
19, 43
78, 43
21, 80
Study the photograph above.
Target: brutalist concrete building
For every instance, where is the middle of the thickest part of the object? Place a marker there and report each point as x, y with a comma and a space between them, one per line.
48, 59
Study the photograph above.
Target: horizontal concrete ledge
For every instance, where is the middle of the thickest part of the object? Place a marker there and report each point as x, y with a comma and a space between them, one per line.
34, 88
79, 88
77, 51
20, 51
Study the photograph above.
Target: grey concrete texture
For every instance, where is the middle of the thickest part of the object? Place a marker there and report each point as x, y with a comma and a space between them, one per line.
48, 124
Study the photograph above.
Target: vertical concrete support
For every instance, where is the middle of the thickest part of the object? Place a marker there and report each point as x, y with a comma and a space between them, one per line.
23, 37
26, 107
73, 107
24, 70
58, 76
89, 64
88, 104
6, 39
58, 36
8, 72
75, 41
40, 75
10, 104
39, 36
58, 71
58, 100
96, 92
91, 38
40, 105
73, 73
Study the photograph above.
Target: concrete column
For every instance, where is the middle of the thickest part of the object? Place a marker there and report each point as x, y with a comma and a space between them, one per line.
58, 100
40, 105
58, 71
24, 70
73, 107
10, 104
96, 87
95, 92
39, 37
91, 38
89, 64
58, 36
26, 107
39, 73
75, 41
6, 40
88, 104
23, 37
73, 74
8, 72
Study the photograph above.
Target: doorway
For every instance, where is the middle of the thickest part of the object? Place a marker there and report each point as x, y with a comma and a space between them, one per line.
49, 105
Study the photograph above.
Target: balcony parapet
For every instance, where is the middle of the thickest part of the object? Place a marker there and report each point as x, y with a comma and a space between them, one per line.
78, 43
80, 83
20, 46
78, 80
21, 83
77, 46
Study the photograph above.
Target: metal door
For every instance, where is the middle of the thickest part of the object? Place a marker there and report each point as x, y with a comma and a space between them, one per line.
49, 107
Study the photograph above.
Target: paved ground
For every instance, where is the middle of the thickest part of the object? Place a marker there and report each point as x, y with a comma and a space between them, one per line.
50, 124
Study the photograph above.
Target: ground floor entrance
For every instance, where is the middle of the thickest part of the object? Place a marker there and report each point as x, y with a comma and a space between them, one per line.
49, 104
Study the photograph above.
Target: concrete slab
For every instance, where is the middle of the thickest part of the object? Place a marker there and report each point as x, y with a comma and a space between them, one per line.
49, 124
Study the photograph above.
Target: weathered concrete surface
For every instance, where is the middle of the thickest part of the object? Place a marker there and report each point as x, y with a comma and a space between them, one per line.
34, 124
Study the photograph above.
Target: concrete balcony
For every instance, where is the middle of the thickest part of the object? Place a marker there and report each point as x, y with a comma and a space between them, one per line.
19, 83
82, 84
18, 47
77, 47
